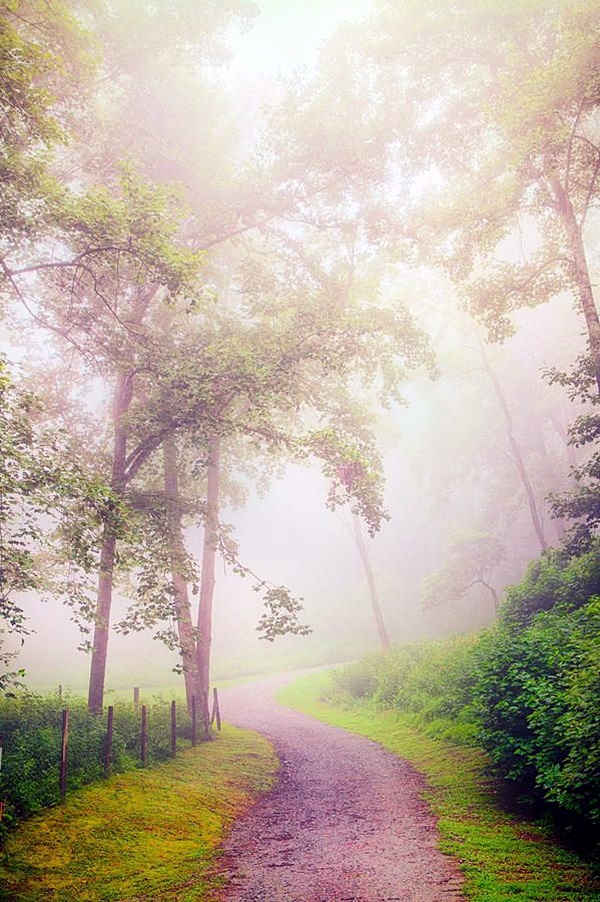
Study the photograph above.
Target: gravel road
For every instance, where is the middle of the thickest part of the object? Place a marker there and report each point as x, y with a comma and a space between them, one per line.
345, 821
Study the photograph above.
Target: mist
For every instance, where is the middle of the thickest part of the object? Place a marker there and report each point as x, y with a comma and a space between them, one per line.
260, 243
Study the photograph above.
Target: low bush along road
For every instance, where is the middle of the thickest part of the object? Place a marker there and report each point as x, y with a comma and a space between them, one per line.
345, 821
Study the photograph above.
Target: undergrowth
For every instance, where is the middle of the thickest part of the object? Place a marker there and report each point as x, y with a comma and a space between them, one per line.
149, 835
503, 855
30, 726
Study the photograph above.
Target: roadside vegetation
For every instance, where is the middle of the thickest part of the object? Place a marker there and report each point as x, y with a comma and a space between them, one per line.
30, 726
149, 834
504, 718
502, 854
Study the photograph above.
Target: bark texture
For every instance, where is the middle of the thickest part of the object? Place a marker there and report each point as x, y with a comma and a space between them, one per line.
207, 585
518, 458
183, 609
373, 593
122, 400
574, 234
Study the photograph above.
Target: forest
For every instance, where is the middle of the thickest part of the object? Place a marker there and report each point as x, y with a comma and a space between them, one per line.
300, 366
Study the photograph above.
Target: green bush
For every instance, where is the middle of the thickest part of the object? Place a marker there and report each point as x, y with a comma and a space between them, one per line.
528, 690
553, 580
538, 694
31, 730
432, 681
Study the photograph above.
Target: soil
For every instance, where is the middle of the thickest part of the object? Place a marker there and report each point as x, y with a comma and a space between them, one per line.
346, 821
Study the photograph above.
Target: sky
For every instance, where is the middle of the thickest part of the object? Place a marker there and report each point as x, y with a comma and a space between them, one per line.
287, 34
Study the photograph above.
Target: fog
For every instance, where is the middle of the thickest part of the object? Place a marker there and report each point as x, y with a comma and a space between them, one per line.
345, 311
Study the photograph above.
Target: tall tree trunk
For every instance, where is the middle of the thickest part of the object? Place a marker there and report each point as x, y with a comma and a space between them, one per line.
516, 450
493, 594
573, 231
122, 400
560, 528
373, 594
183, 611
561, 428
207, 585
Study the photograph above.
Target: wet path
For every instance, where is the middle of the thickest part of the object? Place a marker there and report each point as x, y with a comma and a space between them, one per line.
345, 821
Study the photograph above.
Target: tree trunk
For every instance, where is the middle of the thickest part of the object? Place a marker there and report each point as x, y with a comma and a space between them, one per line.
560, 426
183, 611
562, 430
373, 594
516, 450
207, 585
560, 528
122, 400
494, 596
574, 235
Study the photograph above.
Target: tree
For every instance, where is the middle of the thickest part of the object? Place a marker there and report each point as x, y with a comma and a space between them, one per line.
515, 447
44, 50
472, 560
94, 261
246, 373
42, 486
373, 593
491, 117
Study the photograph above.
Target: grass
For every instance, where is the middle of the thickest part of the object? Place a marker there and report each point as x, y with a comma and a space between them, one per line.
148, 835
503, 856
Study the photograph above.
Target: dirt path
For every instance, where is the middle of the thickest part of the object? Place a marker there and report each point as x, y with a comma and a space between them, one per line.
345, 821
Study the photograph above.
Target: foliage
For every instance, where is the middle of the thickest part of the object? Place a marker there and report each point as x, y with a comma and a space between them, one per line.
354, 472
503, 132
503, 855
580, 505
153, 833
537, 690
527, 691
553, 579
430, 681
44, 49
30, 726
42, 484
472, 559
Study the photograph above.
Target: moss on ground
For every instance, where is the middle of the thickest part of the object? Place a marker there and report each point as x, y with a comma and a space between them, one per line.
148, 835
502, 855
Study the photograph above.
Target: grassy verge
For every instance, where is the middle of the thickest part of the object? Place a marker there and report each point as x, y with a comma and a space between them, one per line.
503, 856
148, 835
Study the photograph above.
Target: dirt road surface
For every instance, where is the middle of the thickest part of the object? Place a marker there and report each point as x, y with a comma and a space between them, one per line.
345, 822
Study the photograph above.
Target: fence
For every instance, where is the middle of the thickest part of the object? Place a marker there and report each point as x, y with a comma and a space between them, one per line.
49, 746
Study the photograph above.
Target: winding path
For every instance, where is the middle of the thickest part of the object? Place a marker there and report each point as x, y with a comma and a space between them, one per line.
345, 822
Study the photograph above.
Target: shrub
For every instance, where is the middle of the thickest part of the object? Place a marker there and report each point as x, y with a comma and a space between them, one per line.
31, 729
538, 693
431, 681
553, 580
528, 690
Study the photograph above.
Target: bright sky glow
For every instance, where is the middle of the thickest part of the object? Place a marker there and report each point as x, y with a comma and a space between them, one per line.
287, 34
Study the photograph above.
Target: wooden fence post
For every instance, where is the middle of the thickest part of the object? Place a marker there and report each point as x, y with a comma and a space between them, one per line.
136, 696
194, 722
60, 690
109, 740
63, 753
144, 737
173, 728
